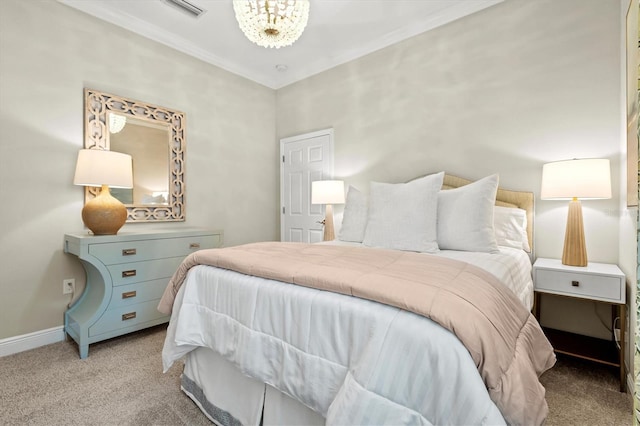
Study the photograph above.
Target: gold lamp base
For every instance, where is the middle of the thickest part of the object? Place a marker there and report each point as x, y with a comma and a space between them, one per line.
104, 215
329, 233
575, 249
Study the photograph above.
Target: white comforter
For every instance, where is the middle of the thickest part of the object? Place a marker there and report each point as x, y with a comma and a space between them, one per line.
353, 361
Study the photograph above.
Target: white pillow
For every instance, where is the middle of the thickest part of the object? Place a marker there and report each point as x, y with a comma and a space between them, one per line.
403, 216
354, 219
510, 225
465, 216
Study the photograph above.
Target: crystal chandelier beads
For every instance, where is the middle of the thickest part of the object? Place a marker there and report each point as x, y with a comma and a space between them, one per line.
116, 122
272, 23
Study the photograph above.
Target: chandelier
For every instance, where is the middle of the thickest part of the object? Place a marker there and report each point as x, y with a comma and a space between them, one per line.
116, 122
272, 23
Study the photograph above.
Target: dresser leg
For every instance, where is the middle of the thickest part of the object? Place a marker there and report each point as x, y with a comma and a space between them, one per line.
84, 351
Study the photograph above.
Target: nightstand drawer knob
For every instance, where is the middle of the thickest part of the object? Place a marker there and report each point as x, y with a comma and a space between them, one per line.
194, 245
130, 315
128, 294
130, 273
128, 252
575, 283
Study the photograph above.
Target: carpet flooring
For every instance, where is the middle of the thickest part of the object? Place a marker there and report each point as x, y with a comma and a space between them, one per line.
121, 383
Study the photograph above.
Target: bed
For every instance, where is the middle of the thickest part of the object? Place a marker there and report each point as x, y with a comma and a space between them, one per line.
452, 341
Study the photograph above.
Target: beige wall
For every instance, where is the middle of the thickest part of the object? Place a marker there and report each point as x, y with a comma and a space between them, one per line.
505, 90
48, 54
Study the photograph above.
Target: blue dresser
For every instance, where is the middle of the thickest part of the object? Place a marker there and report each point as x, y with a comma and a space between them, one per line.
126, 276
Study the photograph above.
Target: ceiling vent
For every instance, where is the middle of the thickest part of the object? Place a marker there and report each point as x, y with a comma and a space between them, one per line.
186, 7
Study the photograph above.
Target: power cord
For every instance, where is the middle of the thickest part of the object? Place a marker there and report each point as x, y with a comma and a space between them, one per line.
615, 328
604, 324
73, 292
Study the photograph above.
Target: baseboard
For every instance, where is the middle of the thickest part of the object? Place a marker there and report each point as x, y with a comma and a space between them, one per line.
13, 345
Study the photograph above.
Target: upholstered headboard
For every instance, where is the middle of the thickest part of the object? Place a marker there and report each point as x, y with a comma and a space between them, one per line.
505, 197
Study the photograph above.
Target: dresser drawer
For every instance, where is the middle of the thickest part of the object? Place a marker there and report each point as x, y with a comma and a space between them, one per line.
577, 284
126, 316
130, 273
135, 251
126, 295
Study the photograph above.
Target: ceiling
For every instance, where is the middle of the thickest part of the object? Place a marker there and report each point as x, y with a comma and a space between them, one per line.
338, 31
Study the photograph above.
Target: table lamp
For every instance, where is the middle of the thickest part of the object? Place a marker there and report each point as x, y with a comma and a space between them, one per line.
104, 215
575, 180
327, 192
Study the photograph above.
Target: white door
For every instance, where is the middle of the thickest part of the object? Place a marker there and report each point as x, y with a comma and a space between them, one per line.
304, 159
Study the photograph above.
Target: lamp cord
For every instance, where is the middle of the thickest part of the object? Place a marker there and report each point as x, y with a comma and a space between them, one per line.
70, 299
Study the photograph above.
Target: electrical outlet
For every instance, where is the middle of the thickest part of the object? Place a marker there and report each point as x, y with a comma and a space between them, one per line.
68, 286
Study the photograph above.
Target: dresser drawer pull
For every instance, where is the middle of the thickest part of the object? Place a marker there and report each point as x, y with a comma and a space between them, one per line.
131, 273
194, 245
129, 294
575, 283
130, 315
128, 252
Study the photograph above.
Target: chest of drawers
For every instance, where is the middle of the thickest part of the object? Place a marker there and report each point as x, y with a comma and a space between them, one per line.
126, 276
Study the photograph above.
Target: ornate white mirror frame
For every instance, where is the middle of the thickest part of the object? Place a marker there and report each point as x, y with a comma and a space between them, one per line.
97, 106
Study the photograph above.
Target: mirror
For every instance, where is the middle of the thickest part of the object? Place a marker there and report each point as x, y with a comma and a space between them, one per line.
155, 138
147, 142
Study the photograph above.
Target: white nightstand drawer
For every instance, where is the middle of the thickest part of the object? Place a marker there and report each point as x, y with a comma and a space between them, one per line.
578, 284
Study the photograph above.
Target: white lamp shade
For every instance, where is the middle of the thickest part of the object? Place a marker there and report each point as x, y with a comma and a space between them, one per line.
327, 192
96, 167
585, 179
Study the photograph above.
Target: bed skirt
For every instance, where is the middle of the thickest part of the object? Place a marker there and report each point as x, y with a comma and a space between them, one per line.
229, 398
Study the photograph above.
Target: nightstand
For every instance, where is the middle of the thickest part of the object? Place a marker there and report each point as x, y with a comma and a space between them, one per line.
598, 282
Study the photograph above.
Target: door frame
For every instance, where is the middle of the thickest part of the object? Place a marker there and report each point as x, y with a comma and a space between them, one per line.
324, 132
